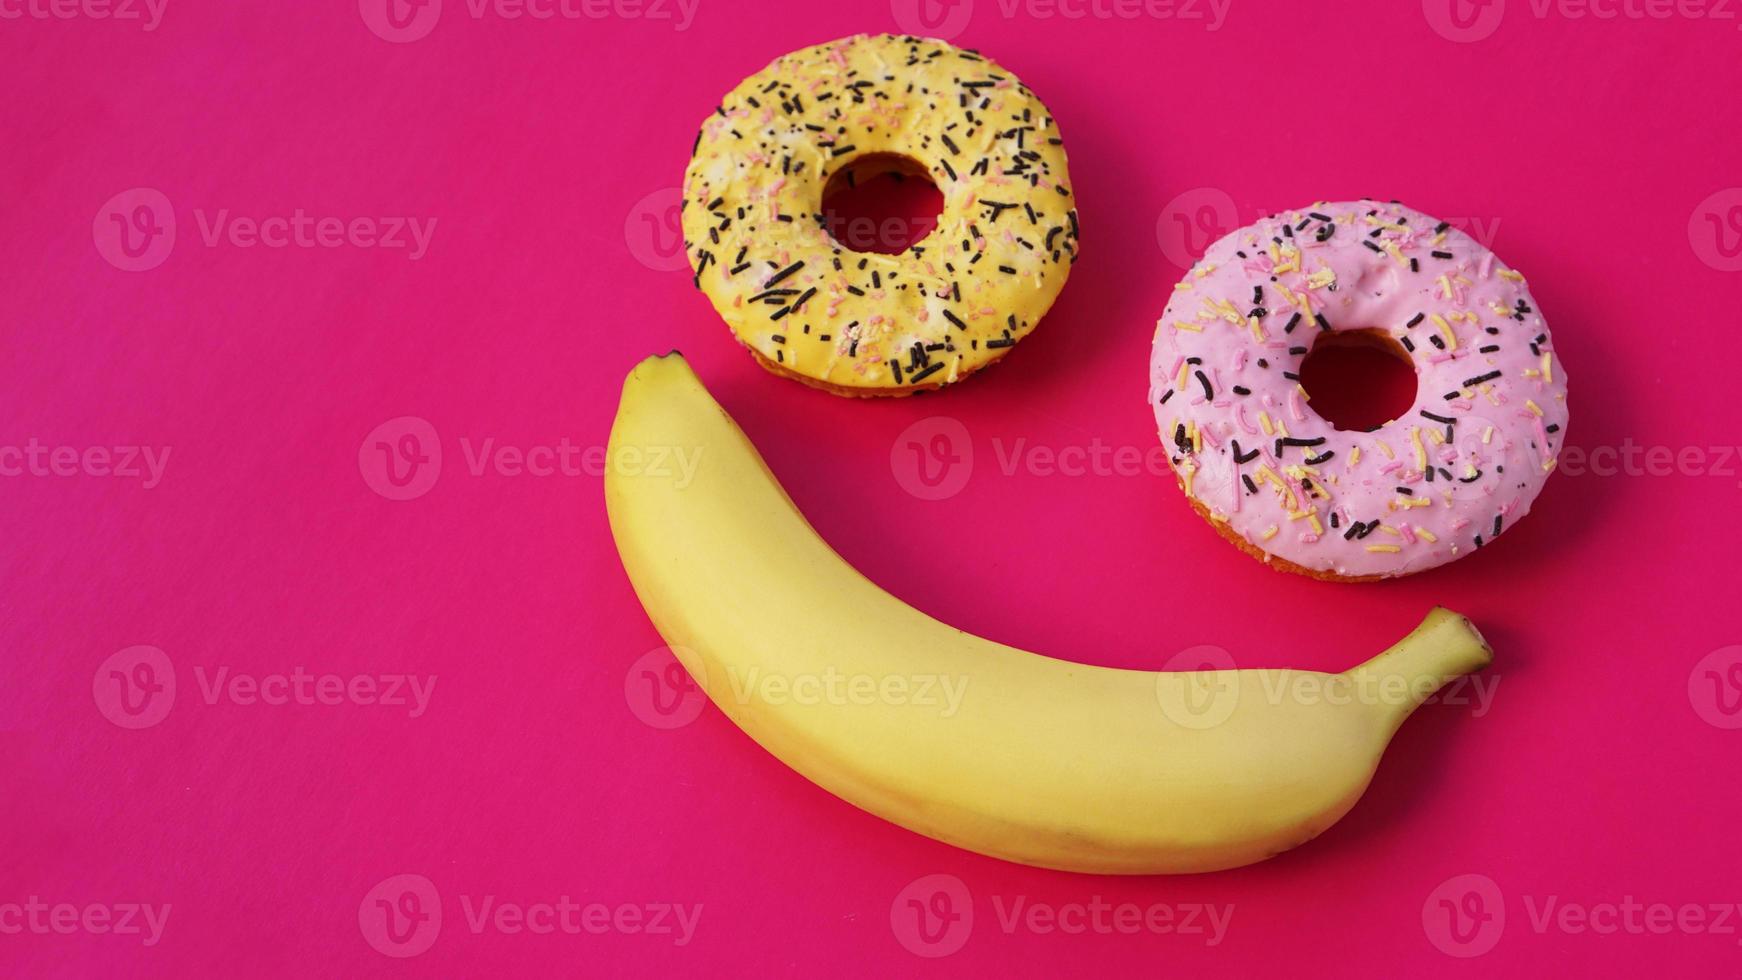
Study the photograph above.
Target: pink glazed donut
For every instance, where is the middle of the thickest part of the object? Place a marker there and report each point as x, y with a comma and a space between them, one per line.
1459, 469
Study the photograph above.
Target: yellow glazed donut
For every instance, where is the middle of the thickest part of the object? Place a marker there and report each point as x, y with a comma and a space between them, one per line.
861, 323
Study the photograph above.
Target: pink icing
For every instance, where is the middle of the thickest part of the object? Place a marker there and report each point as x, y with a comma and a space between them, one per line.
1416, 279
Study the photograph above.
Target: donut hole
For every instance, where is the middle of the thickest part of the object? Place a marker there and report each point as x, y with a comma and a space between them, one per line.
1358, 380
881, 202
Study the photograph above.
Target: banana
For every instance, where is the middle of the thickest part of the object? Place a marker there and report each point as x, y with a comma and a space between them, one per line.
1003, 752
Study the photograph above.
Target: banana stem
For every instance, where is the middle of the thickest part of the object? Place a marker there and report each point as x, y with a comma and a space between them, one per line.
1444, 646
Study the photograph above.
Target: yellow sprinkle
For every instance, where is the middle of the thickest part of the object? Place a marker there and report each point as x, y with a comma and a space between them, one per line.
1180, 287
1264, 422
1511, 276
1530, 403
1384, 547
1182, 325
1269, 532
1434, 434
1303, 392
1445, 287
1439, 239
1191, 475
1446, 332
1179, 383
1386, 449
1426, 535
1408, 503
1549, 466
1388, 529
1322, 278
1547, 371
1197, 438
1420, 450
1317, 527
1354, 455
1487, 435
1257, 328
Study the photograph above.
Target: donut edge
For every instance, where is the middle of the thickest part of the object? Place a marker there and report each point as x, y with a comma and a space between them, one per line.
1280, 564
849, 391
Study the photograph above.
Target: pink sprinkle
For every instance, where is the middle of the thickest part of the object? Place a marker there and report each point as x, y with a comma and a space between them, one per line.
1460, 523
1240, 417
1408, 535
1487, 265
1308, 537
1294, 405
1460, 406
1199, 400
1210, 438
1391, 467
1240, 359
1173, 372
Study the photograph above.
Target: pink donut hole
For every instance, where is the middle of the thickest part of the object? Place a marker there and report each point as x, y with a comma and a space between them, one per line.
1358, 379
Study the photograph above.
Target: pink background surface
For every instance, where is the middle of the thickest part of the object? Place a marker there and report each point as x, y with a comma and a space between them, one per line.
1601, 770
